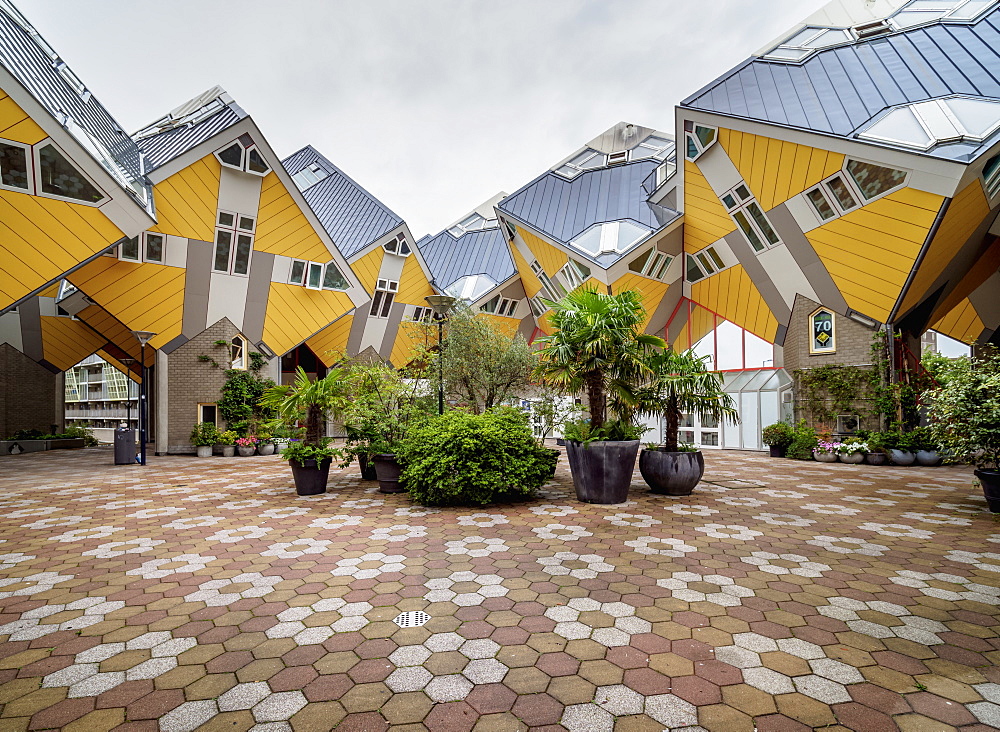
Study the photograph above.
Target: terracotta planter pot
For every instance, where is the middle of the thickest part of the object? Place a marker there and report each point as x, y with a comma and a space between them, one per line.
602, 471
990, 480
388, 470
310, 477
671, 473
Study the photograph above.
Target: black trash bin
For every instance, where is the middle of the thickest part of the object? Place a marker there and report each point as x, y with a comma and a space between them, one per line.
124, 446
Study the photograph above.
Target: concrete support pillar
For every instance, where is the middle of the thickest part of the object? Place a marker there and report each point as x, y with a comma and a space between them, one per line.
161, 397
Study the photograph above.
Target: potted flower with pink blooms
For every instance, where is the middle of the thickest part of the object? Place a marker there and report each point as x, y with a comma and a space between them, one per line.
826, 452
246, 446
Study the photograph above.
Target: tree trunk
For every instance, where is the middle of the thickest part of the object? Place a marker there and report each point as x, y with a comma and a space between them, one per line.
673, 424
597, 398
314, 425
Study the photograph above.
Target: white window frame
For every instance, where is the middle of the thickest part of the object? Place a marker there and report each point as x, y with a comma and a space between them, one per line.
505, 306
852, 187
398, 246
576, 168
691, 133
658, 152
422, 314
548, 286
473, 222
199, 415
29, 161
707, 261
656, 265
235, 232
36, 162
383, 299
326, 268
241, 363
857, 186
991, 182
307, 276
742, 205
291, 269
813, 350
618, 158
572, 275
311, 171
538, 307
244, 159
142, 246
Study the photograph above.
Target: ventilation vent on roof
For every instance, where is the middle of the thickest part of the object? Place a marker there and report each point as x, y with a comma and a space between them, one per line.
618, 157
873, 29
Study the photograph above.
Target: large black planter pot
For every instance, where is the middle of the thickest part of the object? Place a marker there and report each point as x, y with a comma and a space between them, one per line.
367, 467
602, 471
555, 461
991, 487
671, 473
310, 477
387, 470
776, 451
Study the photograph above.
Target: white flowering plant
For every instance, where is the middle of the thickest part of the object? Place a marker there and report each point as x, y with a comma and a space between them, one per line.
849, 448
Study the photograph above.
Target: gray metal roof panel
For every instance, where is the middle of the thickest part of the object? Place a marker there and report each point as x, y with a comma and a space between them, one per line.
170, 144
25, 60
563, 209
838, 90
475, 252
352, 216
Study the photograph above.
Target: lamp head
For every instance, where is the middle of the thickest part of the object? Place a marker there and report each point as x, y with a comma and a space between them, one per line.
143, 336
442, 304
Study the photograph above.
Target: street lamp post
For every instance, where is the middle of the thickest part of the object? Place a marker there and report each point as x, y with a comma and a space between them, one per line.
127, 362
143, 336
442, 305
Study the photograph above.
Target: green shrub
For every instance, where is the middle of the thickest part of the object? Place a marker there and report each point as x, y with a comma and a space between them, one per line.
473, 459
204, 434
803, 441
779, 434
86, 433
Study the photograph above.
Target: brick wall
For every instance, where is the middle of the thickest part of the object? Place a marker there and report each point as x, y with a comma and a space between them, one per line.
853, 348
191, 381
27, 393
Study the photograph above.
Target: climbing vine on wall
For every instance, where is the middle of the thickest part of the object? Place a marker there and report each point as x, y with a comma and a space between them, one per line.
828, 391
239, 404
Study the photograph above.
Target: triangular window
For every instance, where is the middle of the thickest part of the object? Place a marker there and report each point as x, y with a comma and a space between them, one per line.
59, 177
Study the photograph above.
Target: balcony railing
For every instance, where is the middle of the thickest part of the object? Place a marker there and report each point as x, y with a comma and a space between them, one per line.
101, 413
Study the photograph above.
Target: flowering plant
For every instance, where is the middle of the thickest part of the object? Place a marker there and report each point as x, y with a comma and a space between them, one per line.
227, 438
849, 448
827, 448
246, 441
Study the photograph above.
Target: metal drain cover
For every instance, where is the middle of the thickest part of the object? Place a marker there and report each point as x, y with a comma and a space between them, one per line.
411, 619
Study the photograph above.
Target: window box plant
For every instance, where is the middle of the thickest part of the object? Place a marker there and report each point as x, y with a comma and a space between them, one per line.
680, 383
246, 446
853, 452
826, 452
308, 402
203, 436
599, 347
778, 437
966, 419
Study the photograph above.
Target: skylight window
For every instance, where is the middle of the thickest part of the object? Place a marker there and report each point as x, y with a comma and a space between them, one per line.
243, 155
923, 125
102, 155
653, 147
806, 41
471, 287
473, 222
310, 176
589, 159
609, 237
919, 12
697, 139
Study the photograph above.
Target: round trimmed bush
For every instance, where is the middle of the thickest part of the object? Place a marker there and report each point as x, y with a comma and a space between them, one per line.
463, 459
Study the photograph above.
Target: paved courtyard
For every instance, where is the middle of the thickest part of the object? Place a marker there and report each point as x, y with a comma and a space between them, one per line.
204, 594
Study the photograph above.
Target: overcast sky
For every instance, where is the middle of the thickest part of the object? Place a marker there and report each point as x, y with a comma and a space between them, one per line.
432, 105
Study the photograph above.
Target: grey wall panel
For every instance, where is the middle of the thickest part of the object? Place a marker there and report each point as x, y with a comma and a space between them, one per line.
30, 312
665, 309
759, 276
391, 330
261, 267
807, 259
197, 284
358, 329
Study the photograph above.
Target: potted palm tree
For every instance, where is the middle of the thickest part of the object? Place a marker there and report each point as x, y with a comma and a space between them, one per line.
308, 402
680, 383
965, 414
599, 348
